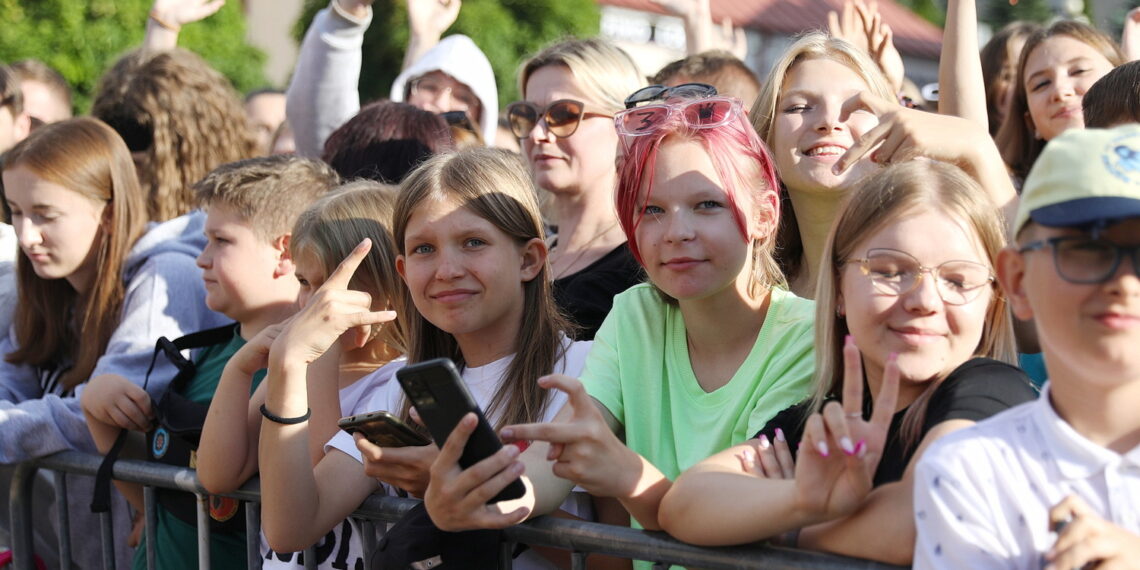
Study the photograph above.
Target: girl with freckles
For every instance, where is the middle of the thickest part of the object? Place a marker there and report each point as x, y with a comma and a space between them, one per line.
909, 312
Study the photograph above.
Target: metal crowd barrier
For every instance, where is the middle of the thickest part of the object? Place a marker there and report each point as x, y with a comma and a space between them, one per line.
580, 538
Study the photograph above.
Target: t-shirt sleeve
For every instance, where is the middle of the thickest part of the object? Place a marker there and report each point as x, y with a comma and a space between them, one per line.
977, 390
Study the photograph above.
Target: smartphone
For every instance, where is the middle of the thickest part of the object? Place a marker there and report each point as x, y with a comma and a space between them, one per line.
383, 429
441, 398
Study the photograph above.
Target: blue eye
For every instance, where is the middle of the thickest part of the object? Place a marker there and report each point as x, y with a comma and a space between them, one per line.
422, 249
652, 210
707, 204
474, 242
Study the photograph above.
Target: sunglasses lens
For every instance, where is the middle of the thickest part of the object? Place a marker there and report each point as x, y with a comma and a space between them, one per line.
643, 120
644, 94
522, 118
562, 118
693, 91
711, 113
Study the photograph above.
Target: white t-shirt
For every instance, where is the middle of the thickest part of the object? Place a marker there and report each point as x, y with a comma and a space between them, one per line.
341, 548
482, 382
983, 494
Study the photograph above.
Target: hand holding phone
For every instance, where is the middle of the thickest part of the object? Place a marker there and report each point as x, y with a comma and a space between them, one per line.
383, 429
441, 398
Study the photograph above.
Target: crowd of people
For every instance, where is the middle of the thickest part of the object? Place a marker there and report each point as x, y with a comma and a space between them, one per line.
810, 309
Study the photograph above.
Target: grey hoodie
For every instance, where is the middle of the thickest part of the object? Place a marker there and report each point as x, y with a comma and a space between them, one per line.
164, 297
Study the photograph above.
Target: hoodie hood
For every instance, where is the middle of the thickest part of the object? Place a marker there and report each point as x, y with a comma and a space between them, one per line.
460, 58
182, 235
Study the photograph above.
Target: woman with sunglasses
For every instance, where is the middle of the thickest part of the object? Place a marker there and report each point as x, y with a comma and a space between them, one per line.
699, 358
907, 310
565, 124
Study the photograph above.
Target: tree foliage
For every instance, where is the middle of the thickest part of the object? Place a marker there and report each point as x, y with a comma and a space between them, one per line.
931, 10
82, 38
1001, 12
506, 30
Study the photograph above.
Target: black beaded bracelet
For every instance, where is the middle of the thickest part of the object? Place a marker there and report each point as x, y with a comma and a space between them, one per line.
287, 421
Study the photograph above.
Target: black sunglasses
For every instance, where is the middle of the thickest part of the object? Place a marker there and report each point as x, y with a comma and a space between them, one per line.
663, 93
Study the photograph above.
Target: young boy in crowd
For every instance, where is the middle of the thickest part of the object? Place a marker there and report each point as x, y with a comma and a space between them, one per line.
1056, 483
251, 208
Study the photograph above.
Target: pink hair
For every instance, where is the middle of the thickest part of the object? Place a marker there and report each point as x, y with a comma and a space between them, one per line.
737, 154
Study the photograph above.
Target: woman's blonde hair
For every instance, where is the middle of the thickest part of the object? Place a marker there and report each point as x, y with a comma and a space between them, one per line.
52, 328
184, 117
334, 224
605, 73
812, 45
883, 199
1018, 143
493, 184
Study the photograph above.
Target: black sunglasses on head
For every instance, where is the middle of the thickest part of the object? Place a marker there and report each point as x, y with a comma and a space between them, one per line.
663, 93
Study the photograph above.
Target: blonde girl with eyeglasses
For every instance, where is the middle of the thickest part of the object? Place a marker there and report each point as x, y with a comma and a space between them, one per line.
909, 314
698, 359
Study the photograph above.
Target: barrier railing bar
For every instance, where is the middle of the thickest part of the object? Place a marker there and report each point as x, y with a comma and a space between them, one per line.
203, 531
576, 536
577, 560
253, 536
311, 558
20, 505
150, 503
59, 479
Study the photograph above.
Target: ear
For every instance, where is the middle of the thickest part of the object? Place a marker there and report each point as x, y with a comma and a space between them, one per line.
764, 217
1011, 275
285, 266
401, 268
533, 258
21, 127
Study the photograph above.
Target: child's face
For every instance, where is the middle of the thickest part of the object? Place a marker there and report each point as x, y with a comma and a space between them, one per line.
932, 337
243, 273
688, 238
310, 273
465, 275
815, 123
1090, 331
1057, 74
58, 229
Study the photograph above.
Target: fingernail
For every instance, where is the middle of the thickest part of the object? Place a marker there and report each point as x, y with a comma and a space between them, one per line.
507, 433
748, 457
849, 340
512, 451
518, 468
861, 448
822, 447
846, 445
764, 443
780, 436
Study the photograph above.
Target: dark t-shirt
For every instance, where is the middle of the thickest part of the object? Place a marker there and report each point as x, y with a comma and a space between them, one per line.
586, 296
976, 390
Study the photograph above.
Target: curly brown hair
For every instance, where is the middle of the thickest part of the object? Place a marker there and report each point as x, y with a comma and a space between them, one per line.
181, 114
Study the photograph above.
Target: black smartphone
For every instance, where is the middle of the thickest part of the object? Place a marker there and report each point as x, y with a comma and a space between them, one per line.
383, 429
441, 398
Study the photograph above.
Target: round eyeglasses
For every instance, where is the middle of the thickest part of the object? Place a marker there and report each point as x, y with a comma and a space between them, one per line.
895, 273
1085, 260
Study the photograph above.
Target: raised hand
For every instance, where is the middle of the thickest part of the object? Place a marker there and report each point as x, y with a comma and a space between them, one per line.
1085, 540
456, 498
840, 450
862, 25
430, 18
182, 12
408, 468
768, 459
254, 355
332, 311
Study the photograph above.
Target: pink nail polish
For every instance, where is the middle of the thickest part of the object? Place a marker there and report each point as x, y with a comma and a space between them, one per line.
764, 443
780, 436
846, 445
822, 447
861, 448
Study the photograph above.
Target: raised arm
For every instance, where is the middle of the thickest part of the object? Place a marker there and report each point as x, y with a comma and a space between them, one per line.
427, 20
293, 490
323, 93
168, 16
700, 33
961, 88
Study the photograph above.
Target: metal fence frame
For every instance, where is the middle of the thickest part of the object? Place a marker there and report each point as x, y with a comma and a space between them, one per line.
579, 537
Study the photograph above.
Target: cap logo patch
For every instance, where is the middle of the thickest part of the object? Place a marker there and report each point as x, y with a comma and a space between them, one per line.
1122, 158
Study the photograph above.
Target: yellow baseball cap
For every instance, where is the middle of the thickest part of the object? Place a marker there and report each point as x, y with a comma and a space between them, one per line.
1084, 177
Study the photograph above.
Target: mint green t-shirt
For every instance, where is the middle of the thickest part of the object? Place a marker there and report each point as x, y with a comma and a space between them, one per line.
176, 543
639, 369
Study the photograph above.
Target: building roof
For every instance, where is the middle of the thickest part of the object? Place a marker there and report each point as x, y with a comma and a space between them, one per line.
914, 36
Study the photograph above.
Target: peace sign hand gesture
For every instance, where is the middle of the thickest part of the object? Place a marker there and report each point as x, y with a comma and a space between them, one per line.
332, 311
840, 450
